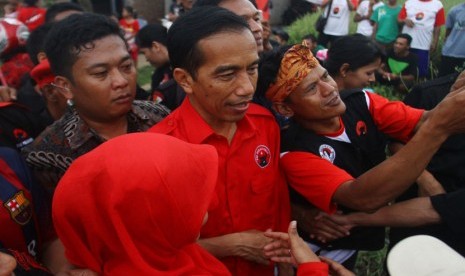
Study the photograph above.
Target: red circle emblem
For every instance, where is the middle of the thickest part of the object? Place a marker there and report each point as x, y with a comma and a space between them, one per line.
262, 156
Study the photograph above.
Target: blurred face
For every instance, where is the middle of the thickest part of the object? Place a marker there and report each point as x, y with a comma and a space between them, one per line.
362, 77
316, 97
187, 4
253, 17
157, 55
401, 46
104, 84
225, 83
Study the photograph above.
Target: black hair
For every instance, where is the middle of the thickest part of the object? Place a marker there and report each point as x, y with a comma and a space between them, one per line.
199, 23
130, 10
31, 3
35, 42
268, 69
67, 38
58, 8
202, 3
151, 33
312, 37
356, 50
406, 36
282, 34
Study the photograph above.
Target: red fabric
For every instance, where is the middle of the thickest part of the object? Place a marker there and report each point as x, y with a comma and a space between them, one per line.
314, 177
313, 269
250, 197
131, 28
42, 74
403, 13
263, 5
15, 68
440, 18
394, 118
33, 17
135, 205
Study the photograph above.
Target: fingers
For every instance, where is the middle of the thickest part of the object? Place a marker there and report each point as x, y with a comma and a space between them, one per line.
7, 264
336, 268
7, 94
277, 235
459, 82
300, 250
287, 260
328, 230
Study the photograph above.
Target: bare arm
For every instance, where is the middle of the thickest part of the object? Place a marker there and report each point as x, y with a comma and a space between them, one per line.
410, 213
386, 181
350, 5
434, 43
248, 245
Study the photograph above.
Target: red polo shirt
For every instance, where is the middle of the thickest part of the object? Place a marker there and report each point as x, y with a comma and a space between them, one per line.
251, 188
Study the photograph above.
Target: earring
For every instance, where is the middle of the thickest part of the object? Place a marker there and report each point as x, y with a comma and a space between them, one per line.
70, 102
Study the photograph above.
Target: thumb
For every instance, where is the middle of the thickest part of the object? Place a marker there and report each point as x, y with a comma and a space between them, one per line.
293, 234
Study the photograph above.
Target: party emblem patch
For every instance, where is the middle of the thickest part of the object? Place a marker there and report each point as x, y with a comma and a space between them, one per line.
327, 152
262, 156
361, 128
19, 208
419, 16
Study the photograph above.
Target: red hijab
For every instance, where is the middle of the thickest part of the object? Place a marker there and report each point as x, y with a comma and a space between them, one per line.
135, 206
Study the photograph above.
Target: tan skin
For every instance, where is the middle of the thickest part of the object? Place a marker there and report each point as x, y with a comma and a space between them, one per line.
220, 92
386, 181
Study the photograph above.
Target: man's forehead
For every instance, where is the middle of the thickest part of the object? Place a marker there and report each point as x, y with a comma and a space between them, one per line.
239, 7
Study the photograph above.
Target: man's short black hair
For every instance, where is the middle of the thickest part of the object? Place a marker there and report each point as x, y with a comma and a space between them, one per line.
202, 3
58, 8
35, 42
151, 33
311, 37
78, 32
407, 37
186, 32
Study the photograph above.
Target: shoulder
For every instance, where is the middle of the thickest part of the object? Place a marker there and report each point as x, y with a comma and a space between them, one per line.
150, 108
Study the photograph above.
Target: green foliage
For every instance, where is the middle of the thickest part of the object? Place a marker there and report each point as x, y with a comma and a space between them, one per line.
144, 75
302, 27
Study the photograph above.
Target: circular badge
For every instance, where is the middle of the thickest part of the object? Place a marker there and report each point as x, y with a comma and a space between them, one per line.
262, 156
327, 152
419, 16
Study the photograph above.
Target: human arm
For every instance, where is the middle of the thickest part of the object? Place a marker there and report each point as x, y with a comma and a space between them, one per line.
403, 19
7, 264
350, 5
434, 42
411, 213
248, 245
7, 94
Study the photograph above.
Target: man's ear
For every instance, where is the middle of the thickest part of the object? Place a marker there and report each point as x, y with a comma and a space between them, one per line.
63, 85
283, 109
344, 69
184, 79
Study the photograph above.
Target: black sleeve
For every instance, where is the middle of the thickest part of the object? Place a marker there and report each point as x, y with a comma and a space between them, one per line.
451, 208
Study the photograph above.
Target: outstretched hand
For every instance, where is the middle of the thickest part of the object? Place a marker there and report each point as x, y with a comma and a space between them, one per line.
289, 247
7, 264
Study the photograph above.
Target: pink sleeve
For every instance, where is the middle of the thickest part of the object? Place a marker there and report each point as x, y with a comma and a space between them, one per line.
313, 268
394, 118
314, 178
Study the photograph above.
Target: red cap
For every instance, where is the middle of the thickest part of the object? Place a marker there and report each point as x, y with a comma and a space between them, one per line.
13, 34
42, 74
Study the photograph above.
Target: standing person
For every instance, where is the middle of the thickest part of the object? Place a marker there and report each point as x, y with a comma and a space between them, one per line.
99, 82
31, 14
334, 149
337, 24
219, 79
422, 20
453, 50
363, 16
130, 25
385, 25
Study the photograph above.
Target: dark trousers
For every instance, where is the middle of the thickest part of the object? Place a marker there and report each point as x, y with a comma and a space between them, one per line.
450, 65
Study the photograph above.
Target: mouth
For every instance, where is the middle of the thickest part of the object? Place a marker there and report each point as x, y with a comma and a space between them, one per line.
123, 99
240, 107
259, 40
335, 101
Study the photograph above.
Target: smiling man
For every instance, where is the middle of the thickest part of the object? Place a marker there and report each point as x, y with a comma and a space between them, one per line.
219, 79
94, 71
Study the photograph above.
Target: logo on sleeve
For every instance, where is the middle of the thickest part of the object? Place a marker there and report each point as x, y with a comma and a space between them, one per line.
19, 208
262, 156
327, 152
361, 128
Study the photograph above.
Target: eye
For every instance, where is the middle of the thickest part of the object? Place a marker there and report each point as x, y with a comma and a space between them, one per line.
252, 70
100, 74
227, 76
127, 66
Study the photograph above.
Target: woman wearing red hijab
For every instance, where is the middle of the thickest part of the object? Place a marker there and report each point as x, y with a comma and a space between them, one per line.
135, 206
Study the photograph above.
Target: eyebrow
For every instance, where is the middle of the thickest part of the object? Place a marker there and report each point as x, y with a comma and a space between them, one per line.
97, 65
224, 68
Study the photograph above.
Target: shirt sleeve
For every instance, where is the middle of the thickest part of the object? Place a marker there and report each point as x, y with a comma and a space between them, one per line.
394, 118
314, 178
313, 268
440, 18
374, 15
451, 209
403, 13
450, 20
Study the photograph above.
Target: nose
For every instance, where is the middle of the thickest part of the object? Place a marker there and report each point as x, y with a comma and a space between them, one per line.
371, 77
255, 26
245, 85
325, 88
118, 79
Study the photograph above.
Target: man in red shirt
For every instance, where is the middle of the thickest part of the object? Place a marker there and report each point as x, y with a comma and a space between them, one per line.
219, 79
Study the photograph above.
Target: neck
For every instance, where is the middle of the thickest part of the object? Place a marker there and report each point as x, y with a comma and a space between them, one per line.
108, 129
330, 125
402, 54
340, 82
